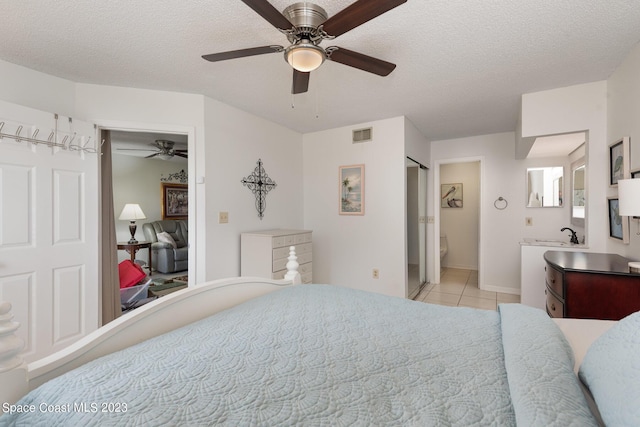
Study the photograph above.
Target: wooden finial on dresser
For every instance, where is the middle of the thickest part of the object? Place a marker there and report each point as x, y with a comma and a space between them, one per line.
292, 267
10, 344
13, 374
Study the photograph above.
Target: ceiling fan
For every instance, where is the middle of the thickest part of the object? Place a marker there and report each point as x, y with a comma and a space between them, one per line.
306, 25
164, 148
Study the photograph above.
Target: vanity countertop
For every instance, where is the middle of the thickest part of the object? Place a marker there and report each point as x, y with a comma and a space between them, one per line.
535, 241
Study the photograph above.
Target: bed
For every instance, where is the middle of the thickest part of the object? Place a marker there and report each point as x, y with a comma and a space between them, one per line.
249, 351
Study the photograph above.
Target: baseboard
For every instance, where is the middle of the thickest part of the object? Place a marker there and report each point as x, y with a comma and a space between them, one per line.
462, 267
501, 289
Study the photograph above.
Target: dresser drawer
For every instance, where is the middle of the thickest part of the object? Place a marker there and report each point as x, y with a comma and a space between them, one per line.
554, 280
305, 270
302, 238
284, 252
281, 264
555, 307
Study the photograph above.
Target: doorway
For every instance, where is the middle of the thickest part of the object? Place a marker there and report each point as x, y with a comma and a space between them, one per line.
416, 210
110, 301
458, 201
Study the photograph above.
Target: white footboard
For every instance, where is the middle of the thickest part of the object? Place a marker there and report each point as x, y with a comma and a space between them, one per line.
155, 318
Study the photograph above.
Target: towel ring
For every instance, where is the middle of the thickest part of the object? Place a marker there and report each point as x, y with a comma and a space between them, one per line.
501, 200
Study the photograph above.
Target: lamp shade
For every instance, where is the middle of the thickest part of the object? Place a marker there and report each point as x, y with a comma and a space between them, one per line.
131, 212
629, 197
304, 57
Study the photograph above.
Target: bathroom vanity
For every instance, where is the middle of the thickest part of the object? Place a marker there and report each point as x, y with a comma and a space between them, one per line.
590, 285
532, 264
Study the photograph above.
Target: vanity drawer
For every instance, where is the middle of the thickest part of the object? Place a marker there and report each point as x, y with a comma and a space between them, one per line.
554, 280
555, 307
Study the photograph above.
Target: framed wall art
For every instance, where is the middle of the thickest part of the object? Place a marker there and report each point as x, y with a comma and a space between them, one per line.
351, 190
175, 201
619, 161
451, 195
618, 225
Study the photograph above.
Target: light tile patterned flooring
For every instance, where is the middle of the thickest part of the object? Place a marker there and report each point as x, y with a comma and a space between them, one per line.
460, 288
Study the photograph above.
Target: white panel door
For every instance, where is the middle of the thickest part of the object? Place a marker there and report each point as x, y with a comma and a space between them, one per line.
48, 229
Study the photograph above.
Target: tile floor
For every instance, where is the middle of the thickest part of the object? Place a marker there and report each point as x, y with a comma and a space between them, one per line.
460, 288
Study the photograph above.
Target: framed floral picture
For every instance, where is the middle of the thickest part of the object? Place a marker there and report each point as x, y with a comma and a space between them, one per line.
175, 201
619, 161
351, 190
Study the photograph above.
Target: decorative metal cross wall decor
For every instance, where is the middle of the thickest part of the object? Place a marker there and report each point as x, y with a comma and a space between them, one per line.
260, 184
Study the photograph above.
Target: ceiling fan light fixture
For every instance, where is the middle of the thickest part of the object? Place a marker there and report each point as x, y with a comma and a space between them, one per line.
165, 156
304, 57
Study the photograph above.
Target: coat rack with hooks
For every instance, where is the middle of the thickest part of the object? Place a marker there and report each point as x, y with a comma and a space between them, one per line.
67, 143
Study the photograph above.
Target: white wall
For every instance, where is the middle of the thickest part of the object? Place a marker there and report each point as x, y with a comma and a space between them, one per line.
462, 225
137, 180
158, 111
623, 114
235, 141
570, 109
33, 89
347, 248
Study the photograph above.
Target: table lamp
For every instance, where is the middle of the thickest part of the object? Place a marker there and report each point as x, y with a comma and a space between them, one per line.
629, 205
131, 212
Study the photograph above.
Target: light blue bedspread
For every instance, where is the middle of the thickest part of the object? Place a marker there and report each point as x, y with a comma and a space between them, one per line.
327, 355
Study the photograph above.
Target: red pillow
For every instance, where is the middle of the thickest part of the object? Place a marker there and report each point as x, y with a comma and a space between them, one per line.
130, 274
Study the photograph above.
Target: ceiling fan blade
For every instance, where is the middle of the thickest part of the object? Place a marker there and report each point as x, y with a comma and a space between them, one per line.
182, 155
300, 82
152, 155
241, 53
270, 13
357, 14
360, 61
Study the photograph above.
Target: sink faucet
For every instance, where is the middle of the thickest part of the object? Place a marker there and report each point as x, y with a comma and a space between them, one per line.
574, 236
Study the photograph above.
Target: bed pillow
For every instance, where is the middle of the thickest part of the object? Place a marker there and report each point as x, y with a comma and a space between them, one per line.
166, 238
611, 369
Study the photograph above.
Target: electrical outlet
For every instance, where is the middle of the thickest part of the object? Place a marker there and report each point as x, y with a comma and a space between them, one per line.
528, 221
431, 220
223, 217
376, 273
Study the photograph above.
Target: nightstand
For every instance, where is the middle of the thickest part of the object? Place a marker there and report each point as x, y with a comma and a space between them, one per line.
132, 248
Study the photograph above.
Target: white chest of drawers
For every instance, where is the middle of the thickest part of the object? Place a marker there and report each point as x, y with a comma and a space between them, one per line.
264, 253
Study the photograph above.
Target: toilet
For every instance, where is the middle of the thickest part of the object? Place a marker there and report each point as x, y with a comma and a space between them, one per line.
444, 247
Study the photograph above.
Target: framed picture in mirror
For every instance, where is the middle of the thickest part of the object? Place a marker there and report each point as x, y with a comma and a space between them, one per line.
618, 225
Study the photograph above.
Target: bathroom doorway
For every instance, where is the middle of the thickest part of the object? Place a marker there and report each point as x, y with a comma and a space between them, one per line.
458, 194
416, 227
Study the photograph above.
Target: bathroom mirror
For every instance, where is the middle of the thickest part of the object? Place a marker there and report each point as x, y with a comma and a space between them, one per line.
545, 187
578, 192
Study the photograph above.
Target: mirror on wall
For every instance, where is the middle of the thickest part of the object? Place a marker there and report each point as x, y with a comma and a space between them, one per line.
545, 187
578, 192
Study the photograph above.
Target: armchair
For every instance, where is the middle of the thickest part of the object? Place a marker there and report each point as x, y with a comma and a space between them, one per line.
169, 243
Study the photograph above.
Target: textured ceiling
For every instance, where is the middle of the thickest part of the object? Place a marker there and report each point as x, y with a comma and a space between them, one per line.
462, 65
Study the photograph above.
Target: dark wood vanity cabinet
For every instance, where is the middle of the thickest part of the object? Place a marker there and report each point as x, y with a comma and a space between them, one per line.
590, 285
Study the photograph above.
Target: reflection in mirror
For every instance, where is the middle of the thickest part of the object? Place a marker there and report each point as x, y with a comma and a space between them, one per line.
545, 187
578, 193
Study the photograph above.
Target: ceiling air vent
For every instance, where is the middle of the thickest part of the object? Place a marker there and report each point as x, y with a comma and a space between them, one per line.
362, 135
